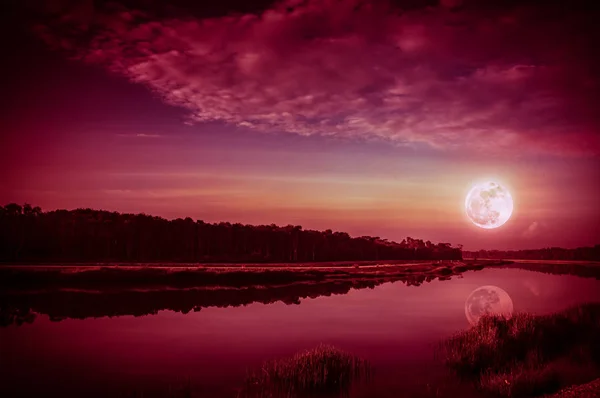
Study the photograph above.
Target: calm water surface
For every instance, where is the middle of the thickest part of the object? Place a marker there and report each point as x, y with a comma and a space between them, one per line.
394, 326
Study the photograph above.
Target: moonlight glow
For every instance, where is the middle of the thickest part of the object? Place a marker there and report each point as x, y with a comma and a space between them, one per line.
489, 205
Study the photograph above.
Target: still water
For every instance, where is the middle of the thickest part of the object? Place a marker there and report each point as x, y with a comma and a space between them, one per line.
394, 326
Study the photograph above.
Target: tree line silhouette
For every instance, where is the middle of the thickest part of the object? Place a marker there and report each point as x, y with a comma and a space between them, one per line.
28, 234
550, 253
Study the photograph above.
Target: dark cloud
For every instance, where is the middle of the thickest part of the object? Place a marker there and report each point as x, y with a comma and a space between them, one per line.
486, 76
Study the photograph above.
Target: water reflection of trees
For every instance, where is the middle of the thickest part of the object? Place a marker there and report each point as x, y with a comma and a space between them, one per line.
18, 307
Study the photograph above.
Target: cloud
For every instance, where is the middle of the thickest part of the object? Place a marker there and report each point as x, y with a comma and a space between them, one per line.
451, 3
141, 135
488, 80
532, 230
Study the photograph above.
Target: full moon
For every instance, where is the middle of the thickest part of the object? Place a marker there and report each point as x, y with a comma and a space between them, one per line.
488, 300
489, 205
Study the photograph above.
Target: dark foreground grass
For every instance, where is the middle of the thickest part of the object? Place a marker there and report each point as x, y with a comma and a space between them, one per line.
587, 390
324, 371
528, 355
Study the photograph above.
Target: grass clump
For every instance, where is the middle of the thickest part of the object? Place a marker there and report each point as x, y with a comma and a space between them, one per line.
324, 371
524, 380
527, 355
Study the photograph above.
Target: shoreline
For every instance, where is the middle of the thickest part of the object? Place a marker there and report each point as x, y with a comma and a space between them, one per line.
291, 265
114, 276
165, 275
314, 264
112, 291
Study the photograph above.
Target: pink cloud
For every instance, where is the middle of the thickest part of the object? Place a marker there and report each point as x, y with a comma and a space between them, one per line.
532, 230
472, 80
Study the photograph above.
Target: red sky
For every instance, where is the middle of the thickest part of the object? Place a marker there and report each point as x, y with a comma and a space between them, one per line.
367, 118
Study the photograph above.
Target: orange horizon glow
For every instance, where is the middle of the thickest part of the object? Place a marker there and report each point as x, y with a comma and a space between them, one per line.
373, 192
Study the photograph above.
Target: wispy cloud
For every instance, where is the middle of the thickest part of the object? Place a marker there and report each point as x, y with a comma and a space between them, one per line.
480, 79
532, 230
140, 135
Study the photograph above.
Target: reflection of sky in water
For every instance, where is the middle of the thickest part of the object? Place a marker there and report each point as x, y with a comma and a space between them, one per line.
393, 326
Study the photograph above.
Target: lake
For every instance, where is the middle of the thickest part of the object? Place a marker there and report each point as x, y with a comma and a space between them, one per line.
394, 326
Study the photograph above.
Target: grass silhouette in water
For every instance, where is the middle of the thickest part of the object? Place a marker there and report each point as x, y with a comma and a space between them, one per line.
324, 371
528, 355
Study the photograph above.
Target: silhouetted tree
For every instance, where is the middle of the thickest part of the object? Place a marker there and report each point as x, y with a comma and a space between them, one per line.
84, 235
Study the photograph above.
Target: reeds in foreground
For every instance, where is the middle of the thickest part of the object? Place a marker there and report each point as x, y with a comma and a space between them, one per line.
528, 355
324, 371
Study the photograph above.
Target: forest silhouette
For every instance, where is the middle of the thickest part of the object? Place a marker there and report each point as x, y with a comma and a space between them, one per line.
550, 253
28, 234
